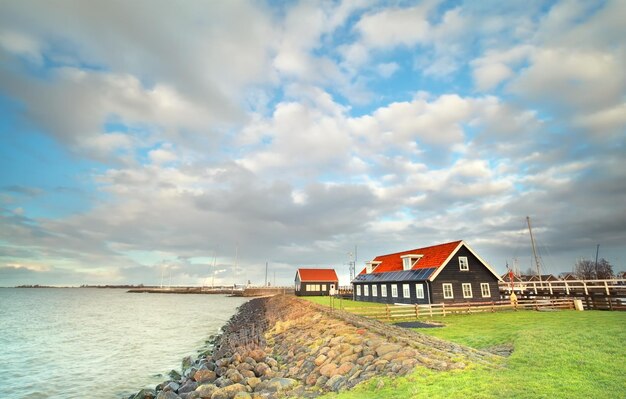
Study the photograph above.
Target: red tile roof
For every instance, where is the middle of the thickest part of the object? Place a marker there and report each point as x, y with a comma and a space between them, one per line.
433, 256
317, 275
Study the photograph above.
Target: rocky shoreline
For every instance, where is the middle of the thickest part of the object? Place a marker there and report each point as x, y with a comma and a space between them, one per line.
285, 347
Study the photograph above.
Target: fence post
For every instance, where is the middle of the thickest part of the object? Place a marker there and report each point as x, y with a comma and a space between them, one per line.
387, 311
430, 307
443, 308
493, 308
417, 311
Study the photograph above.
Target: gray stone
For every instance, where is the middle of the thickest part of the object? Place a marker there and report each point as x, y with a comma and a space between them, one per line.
280, 384
167, 395
223, 382
336, 383
171, 386
189, 386
145, 394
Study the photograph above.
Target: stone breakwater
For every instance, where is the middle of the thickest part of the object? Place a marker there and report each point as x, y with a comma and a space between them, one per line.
286, 347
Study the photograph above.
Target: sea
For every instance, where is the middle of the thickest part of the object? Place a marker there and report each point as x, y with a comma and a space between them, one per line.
100, 343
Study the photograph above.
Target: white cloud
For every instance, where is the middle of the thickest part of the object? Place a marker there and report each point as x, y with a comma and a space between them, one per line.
396, 26
387, 69
22, 45
570, 79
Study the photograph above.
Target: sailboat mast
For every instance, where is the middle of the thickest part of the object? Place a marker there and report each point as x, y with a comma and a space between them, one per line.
532, 241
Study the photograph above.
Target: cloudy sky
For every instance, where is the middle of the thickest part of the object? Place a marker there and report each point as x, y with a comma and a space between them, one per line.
145, 139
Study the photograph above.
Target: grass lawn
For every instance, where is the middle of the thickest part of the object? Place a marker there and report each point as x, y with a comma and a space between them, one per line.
564, 354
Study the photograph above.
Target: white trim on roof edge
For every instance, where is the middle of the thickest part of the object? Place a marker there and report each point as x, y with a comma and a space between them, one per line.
436, 273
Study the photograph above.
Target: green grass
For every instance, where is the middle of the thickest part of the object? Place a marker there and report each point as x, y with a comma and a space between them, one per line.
564, 354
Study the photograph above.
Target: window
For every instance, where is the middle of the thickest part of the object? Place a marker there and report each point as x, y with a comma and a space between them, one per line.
406, 263
419, 290
366, 290
484, 290
323, 287
463, 265
394, 290
383, 290
374, 290
467, 290
406, 291
317, 287
447, 291
358, 290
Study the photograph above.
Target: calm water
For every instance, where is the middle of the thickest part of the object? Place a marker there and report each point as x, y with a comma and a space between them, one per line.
99, 343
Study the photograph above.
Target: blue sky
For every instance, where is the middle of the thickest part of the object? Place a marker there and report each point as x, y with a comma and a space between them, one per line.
139, 140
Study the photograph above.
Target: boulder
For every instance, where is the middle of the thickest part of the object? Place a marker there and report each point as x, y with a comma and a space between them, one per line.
234, 376
222, 382
228, 392
145, 394
383, 349
328, 370
320, 360
336, 383
280, 384
167, 395
257, 354
189, 386
171, 386
344, 368
204, 375
253, 382
206, 390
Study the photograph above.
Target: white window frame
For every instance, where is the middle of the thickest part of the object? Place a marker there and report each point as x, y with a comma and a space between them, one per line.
485, 290
358, 289
419, 291
323, 287
406, 291
450, 294
394, 290
463, 264
366, 290
407, 263
374, 290
467, 290
383, 290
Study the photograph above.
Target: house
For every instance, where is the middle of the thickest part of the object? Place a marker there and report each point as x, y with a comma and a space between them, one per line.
544, 278
315, 282
568, 277
506, 277
448, 273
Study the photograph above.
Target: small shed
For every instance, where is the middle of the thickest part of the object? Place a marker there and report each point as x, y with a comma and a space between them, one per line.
315, 282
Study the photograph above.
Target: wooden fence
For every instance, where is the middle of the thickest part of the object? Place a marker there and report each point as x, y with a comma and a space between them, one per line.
392, 313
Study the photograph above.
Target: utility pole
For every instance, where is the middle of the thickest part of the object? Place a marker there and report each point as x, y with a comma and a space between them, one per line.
265, 274
597, 250
532, 241
352, 263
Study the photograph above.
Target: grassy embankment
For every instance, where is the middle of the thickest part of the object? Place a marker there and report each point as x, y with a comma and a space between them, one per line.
564, 354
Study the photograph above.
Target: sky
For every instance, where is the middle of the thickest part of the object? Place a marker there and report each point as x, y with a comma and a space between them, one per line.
147, 142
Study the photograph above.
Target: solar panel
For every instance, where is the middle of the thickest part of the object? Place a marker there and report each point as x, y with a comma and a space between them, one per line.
405, 275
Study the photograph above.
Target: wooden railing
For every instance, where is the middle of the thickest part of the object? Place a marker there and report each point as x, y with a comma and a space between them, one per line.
613, 287
392, 313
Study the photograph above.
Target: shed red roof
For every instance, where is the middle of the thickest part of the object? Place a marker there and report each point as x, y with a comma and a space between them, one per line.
433, 256
317, 275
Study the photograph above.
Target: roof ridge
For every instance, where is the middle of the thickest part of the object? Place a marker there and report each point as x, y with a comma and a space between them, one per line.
417, 249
